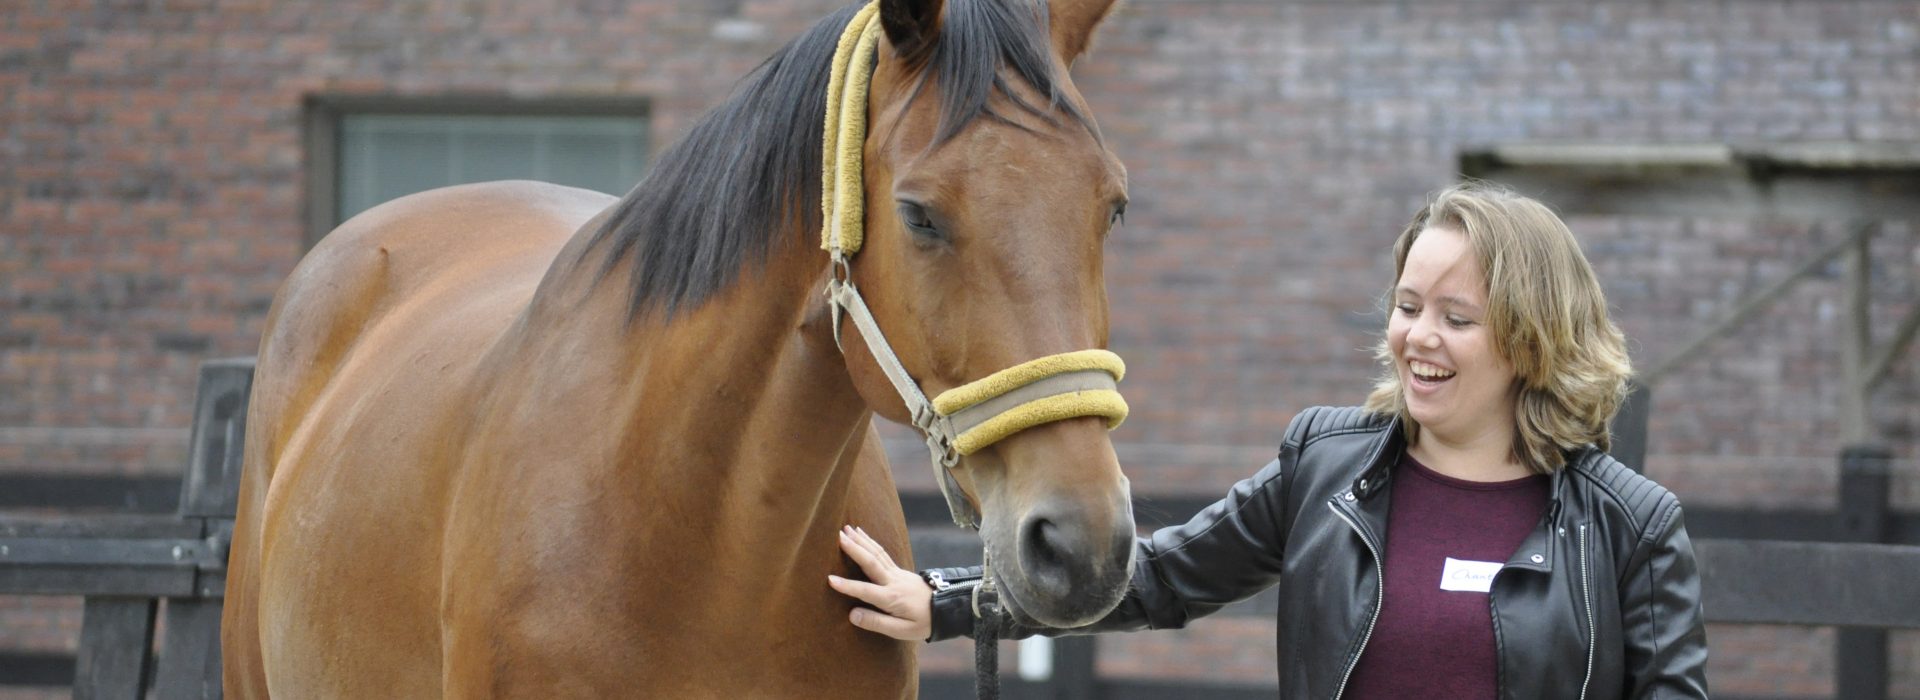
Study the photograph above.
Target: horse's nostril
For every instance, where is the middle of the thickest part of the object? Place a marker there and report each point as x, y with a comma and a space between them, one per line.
1047, 557
1068, 569
1041, 545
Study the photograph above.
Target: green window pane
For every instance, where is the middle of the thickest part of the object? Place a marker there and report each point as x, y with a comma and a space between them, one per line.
495, 156
408, 162
383, 157
581, 160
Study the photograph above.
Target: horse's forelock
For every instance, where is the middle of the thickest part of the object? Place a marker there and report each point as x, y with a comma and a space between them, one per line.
982, 42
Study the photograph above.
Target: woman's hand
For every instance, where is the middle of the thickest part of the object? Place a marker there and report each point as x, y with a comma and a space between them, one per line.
902, 602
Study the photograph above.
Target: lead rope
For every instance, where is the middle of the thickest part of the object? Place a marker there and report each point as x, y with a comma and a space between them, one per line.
986, 660
986, 636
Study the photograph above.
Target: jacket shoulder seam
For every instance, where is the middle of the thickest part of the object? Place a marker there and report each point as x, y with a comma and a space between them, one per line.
1667, 513
1655, 494
1343, 421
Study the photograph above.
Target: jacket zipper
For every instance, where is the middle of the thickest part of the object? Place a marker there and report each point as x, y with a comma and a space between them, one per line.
1380, 599
1586, 593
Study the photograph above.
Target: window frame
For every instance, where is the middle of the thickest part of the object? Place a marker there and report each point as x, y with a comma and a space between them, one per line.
324, 114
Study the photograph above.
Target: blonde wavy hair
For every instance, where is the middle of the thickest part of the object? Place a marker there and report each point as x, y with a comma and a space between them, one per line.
1547, 315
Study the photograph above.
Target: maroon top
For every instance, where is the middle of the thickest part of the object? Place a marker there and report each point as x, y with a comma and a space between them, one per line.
1434, 638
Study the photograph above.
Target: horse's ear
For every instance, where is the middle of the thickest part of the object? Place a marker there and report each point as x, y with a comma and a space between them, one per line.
912, 26
1073, 24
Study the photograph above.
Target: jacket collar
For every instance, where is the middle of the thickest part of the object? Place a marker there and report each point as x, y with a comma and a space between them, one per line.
1383, 453
1535, 552
1362, 498
1555, 524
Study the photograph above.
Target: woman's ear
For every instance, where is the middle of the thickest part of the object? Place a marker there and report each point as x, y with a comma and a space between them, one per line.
912, 26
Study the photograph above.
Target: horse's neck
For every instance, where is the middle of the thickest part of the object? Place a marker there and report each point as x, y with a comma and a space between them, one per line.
741, 408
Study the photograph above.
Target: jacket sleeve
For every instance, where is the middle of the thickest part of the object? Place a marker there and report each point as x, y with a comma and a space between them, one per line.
1227, 552
1666, 634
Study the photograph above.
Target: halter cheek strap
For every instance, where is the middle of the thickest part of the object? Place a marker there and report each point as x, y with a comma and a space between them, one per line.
968, 418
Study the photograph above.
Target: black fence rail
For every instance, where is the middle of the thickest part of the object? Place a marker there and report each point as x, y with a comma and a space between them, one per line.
142, 573
135, 571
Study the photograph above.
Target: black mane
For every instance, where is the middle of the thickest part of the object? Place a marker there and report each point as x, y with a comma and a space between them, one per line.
750, 168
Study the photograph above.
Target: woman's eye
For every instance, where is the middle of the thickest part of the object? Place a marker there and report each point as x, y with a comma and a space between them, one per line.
1407, 309
1459, 322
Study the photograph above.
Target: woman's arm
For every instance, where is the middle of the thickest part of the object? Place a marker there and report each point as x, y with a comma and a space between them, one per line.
1666, 635
1229, 551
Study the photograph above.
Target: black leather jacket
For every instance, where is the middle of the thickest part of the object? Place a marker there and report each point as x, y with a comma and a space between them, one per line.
1602, 599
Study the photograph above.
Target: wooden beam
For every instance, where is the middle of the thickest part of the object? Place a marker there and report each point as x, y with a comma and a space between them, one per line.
190, 655
1855, 340
212, 485
1882, 361
139, 581
116, 643
1809, 583
1752, 305
1804, 181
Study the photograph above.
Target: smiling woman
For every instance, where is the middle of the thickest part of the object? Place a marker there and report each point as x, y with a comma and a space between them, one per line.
1508, 328
1462, 535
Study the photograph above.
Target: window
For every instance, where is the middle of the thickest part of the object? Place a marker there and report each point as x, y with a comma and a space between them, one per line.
365, 151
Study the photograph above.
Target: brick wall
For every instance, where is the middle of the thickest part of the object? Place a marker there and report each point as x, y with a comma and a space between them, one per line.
151, 198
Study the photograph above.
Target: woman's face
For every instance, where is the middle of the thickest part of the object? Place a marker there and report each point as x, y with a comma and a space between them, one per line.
1456, 384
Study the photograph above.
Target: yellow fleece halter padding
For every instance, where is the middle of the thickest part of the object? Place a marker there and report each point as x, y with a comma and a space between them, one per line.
958, 398
1104, 403
845, 134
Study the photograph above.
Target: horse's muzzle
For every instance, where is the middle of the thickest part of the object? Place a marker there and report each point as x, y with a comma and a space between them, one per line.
1072, 567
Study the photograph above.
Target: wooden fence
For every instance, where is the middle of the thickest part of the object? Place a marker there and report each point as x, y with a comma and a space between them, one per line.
136, 571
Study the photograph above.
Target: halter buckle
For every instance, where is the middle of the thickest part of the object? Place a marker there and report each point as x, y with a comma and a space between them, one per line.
939, 432
839, 278
942, 448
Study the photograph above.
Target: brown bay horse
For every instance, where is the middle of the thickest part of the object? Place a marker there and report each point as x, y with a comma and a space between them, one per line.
516, 439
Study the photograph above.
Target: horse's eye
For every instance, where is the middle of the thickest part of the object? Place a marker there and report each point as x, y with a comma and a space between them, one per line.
917, 220
1119, 215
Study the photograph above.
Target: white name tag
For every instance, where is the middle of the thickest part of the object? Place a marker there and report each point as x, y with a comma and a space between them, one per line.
1463, 575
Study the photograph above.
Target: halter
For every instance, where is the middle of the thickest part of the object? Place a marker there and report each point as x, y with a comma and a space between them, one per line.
968, 418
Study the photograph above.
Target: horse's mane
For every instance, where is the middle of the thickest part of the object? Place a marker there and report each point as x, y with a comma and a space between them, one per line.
750, 168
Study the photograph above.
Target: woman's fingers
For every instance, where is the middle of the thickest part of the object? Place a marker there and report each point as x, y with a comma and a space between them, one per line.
868, 593
869, 555
887, 624
860, 535
866, 542
901, 602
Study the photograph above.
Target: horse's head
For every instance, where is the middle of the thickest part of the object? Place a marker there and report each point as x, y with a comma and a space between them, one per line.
989, 196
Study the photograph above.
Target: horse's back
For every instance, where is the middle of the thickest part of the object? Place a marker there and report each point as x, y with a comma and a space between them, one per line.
365, 368
475, 249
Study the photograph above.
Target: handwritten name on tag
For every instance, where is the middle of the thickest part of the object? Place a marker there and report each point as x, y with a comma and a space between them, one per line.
1463, 575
